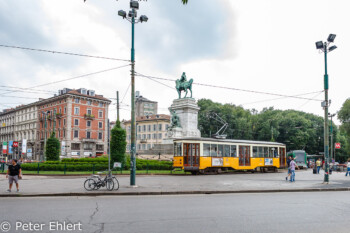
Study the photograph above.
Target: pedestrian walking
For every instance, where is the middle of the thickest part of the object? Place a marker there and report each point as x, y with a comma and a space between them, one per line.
14, 172
288, 165
348, 169
318, 164
293, 165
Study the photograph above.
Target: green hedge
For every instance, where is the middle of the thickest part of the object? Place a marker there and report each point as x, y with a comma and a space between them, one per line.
100, 164
61, 167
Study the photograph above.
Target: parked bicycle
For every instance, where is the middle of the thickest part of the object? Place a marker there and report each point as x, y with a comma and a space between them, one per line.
95, 182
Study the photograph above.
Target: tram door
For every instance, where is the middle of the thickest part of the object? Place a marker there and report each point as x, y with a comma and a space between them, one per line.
191, 154
244, 155
282, 157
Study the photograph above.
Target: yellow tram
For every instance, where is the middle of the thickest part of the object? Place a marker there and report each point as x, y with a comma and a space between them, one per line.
201, 155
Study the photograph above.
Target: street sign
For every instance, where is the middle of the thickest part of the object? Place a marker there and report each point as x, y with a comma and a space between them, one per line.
337, 145
115, 165
15, 144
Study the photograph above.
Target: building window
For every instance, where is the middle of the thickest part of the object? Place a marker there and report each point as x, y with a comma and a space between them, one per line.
76, 100
154, 136
88, 134
59, 123
64, 133
89, 111
160, 136
99, 147
60, 110
65, 110
76, 122
76, 133
89, 102
100, 135
88, 123
76, 110
149, 128
88, 145
160, 127
139, 128
100, 104
154, 127
64, 122
75, 146
148, 136
100, 114
144, 128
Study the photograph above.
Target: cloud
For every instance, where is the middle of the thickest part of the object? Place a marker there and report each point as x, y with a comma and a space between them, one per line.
176, 34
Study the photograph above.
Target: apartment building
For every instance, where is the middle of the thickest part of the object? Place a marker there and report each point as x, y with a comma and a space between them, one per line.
26, 123
7, 126
144, 107
79, 119
150, 131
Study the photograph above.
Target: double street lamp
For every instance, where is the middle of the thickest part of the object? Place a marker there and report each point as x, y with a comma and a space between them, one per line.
324, 47
132, 18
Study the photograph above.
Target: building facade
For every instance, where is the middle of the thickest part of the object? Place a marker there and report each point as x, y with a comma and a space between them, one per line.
7, 126
79, 119
150, 131
26, 127
145, 107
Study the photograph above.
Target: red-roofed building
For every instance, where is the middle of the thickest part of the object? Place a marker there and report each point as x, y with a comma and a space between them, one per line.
79, 119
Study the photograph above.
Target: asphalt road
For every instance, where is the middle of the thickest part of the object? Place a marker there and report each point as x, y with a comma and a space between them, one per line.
270, 212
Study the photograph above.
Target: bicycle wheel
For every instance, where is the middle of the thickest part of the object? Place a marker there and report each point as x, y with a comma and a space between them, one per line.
90, 184
109, 184
116, 183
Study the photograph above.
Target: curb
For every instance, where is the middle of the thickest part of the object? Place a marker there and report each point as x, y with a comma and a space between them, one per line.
95, 194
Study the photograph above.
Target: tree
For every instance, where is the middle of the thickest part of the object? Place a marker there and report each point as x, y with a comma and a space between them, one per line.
184, 2
52, 150
344, 116
118, 143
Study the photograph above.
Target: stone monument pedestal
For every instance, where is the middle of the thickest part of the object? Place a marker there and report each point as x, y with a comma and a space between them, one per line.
187, 111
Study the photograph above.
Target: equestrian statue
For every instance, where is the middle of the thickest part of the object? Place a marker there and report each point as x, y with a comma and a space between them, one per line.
183, 85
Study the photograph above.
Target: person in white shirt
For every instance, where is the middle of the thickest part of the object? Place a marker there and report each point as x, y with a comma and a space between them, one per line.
348, 169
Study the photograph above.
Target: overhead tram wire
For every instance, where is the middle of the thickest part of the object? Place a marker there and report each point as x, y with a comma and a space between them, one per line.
63, 80
266, 100
64, 53
231, 88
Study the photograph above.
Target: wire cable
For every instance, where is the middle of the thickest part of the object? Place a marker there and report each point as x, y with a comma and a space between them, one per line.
64, 80
231, 88
65, 53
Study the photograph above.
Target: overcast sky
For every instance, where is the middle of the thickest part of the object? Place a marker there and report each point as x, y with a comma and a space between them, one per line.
256, 45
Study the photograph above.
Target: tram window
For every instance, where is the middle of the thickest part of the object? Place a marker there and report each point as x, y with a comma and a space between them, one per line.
213, 150
178, 149
266, 152
226, 150
255, 152
274, 152
233, 151
206, 149
220, 150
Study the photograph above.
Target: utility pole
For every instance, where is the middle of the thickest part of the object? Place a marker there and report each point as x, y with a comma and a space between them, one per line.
117, 105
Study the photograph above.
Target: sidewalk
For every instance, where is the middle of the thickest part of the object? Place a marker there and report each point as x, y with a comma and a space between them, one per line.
167, 184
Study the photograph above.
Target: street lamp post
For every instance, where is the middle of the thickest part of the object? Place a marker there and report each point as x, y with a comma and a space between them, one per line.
324, 47
131, 17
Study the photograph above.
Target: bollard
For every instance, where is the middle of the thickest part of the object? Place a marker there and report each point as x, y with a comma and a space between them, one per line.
38, 167
65, 168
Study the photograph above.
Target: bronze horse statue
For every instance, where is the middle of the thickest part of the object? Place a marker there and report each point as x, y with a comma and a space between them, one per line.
184, 86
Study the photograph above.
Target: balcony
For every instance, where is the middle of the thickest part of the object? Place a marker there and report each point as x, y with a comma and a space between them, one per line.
89, 117
143, 141
49, 118
58, 115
